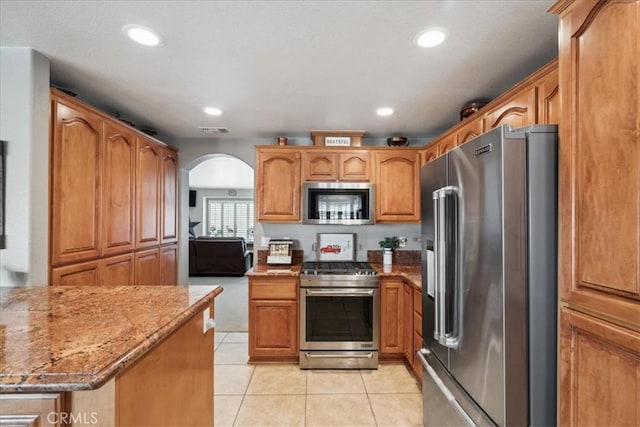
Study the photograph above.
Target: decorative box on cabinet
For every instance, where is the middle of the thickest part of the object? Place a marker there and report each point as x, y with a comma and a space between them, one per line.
397, 179
273, 318
278, 188
76, 165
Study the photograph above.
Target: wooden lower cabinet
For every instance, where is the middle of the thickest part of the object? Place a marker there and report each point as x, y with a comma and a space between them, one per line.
81, 274
599, 372
168, 265
147, 267
407, 321
273, 318
391, 317
42, 410
118, 270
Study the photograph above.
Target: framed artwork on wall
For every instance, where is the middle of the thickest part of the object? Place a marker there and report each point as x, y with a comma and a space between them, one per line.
336, 246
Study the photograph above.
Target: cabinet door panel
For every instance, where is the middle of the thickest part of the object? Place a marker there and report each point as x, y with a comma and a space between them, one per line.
446, 144
397, 186
596, 359
118, 190
82, 274
168, 265
169, 199
469, 131
549, 99
147, 193
278, 185
391, 337
273, 328
147, 267
320, 166
407, 322
354, 166
599, 159
118, 270
75, 189
518, 111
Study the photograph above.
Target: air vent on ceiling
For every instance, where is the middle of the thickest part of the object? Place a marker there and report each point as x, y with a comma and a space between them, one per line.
213, 130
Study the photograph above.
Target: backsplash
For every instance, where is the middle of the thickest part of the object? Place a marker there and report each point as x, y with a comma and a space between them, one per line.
399, 257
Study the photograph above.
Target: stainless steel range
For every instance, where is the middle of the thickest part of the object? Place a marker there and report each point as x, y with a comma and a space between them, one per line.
339, 314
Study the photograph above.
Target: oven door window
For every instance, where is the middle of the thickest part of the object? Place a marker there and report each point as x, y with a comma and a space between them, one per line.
339, 318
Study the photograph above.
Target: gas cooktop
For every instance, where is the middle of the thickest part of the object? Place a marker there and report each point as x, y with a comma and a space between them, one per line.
337, 268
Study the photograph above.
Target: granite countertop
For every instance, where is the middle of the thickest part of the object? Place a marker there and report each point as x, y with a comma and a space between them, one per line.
274, 270
68, 338
410, 272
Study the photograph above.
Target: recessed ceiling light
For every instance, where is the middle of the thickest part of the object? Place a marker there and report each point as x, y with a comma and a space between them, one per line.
213, 111
142, 35
431, 37
384, 111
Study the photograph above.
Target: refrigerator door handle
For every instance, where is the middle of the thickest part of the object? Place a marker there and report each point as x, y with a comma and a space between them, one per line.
446, 324
443, 388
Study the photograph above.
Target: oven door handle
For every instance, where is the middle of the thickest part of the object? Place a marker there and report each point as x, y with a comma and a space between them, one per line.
340, 292
338, 356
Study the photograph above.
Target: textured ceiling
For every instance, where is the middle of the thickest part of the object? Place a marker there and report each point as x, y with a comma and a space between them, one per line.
285, 67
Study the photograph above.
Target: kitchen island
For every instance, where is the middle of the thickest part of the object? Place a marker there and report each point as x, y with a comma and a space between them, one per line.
107, 355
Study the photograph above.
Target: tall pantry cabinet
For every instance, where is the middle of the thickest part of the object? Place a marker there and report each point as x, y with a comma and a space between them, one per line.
113, 200
599, 212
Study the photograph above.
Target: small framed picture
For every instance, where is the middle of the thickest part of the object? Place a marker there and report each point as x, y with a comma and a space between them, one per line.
336, 246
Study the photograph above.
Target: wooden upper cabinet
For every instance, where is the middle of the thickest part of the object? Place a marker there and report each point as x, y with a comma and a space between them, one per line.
76, 205
118, 192
354, 166
278, 186
397, 179
446, 144
517, 111
336, 165
148, 166
549, 98
320, 166
429, 154
169, 196
599, 158
469, 131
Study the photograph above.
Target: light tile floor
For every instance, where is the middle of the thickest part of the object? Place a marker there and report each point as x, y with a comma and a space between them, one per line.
285, 395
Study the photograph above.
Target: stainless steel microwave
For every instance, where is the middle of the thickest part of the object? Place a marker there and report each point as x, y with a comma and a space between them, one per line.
345, 203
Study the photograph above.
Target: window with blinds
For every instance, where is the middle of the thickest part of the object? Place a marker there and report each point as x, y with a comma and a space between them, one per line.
229, 218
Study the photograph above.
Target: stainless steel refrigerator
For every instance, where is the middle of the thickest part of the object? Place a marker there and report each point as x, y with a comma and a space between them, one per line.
489, 210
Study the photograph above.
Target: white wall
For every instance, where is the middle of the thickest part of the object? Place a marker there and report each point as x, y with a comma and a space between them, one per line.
24, 123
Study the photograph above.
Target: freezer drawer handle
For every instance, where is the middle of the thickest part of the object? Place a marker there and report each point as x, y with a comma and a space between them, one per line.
447, 297
443, 388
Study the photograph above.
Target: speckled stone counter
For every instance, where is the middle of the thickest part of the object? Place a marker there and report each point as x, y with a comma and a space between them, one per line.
66, 338
410, 272
274, 270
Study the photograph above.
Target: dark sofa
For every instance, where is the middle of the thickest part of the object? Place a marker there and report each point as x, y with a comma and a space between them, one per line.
218, 256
